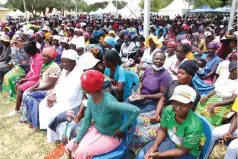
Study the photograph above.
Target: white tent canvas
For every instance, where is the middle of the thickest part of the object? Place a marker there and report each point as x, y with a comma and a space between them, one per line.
19, 13
110, 8
131, 10
177, 7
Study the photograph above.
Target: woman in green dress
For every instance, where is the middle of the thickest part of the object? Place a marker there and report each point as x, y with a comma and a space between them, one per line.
217, 104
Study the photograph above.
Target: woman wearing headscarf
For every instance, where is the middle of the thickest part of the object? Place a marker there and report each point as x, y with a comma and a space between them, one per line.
212, 62
110, 43
5, 57
50, 72
116, 73
217, 104
153, 46
106, 112
66, 95
181, 51
20, 62
32, 76
170, 54
148, 123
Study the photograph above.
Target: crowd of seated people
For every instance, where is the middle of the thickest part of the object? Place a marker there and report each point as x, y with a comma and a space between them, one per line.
77, 81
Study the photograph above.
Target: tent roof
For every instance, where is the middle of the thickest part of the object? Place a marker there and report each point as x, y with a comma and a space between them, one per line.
1, 8
110, 8
201, 9
19, 13
131, 10
177, 5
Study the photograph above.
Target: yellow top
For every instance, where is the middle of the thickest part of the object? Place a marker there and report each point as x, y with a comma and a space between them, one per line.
47, 35
235, 105
202, 46
189, 56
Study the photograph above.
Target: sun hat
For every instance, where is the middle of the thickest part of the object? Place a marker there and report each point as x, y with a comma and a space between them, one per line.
155, 39
92, 80
184, 94
5, 38
64, 40
57, 37
87, 61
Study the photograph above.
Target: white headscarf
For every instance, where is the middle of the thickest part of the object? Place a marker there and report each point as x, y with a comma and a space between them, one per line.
70, 54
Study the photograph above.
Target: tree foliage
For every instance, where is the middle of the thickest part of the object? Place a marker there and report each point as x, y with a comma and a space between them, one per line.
40, 5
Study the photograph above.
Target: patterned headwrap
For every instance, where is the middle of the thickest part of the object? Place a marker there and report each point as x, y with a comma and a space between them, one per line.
172, 43
50, 51
213, 45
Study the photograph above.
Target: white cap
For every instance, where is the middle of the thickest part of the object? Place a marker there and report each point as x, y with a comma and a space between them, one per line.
46, 28
207, 33
57, 37
184, 94
87, 61
70, 54
64, 40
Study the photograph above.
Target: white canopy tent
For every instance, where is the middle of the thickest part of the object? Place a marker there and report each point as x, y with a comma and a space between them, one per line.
110, 8
177, 7
131, 10
19, 13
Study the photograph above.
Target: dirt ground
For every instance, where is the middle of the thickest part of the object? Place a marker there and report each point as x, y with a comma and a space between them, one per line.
17, 141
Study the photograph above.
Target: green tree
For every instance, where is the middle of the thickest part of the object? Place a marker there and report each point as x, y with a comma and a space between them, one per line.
155, 5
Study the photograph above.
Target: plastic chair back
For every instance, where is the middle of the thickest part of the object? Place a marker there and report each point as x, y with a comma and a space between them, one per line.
133, 81
207, 131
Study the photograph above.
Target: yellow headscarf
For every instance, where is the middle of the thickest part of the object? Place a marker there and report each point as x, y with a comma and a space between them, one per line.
155, 39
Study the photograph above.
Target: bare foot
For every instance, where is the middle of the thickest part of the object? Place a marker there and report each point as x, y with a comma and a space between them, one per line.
30, 126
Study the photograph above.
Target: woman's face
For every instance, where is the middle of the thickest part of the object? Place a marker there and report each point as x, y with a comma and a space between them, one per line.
233, 74
180, 54
80, 50
158, 60
55, 42
183, 76
211, 51
171, 49
68, 64
181, 109
46, 58
152, 44
107, 63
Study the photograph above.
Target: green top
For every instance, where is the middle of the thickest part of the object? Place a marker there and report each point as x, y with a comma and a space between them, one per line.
187, 133
107, 116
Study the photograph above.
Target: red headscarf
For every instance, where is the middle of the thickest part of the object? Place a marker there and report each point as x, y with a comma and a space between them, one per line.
171, 43
92, 80
50, 51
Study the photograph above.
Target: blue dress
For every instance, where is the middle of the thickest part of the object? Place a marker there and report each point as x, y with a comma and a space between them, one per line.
214, 61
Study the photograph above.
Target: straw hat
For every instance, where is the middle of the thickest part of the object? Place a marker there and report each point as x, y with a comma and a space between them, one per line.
5, 38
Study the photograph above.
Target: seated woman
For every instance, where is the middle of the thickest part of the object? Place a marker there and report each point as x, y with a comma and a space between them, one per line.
31, 78
153, 46
87, 62
181, 52
217, 103
180, 129
5, 56
50, 72
154, 83
212, 62
227, 133
170, 54
106, 112
116, 73
146, 128
19, 63
126, 48
62, 98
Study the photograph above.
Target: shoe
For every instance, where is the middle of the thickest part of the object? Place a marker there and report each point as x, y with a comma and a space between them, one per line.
13, 113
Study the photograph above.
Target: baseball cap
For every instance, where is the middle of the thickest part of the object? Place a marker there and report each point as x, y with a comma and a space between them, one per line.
184, 94
87, 61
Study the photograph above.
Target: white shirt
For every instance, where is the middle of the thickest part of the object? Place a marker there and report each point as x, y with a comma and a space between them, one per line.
169, 61
126, 50
225, 89
173, 68
223, 71
147, 57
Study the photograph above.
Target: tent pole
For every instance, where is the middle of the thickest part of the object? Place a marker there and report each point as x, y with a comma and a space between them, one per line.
24, 3
116, 9
232, 14
146, 17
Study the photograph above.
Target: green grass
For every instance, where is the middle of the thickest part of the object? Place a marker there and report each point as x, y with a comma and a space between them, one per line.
17, 141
